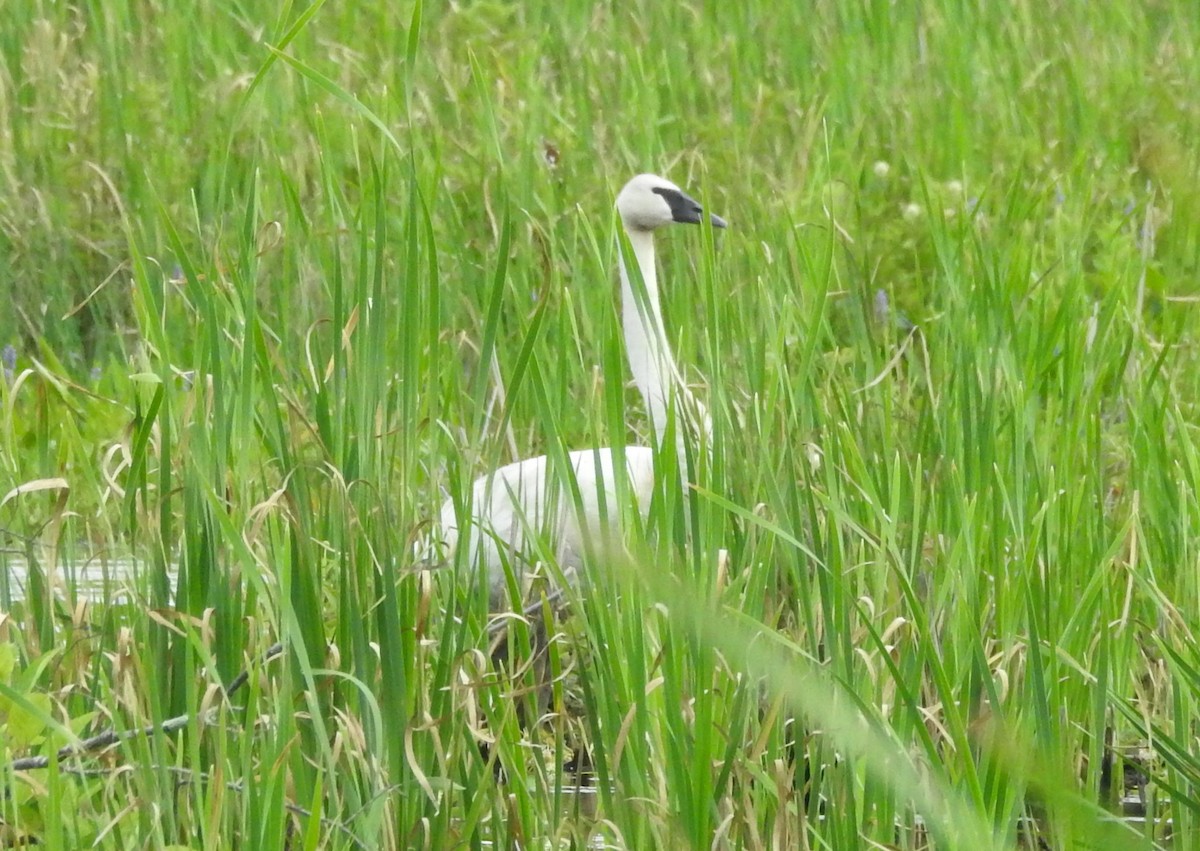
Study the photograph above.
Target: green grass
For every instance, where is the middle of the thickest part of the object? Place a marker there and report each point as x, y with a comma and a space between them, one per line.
281, 279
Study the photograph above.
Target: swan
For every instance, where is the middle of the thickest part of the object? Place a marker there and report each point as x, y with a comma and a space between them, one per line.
512, 505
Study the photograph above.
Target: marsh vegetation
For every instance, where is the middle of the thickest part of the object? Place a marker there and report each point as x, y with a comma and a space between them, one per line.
279, 279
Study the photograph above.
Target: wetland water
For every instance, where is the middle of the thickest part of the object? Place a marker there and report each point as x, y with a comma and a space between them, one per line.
97, 580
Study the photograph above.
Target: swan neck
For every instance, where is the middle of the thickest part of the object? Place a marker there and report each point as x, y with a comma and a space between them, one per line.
650, 360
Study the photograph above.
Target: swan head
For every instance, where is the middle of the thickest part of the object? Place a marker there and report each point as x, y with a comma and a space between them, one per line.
649, 201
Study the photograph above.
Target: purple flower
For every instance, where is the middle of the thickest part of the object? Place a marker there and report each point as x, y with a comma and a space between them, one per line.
8, 357
883, 312
882, 308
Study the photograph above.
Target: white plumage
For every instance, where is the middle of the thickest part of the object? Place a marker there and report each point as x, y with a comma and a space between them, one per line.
511, 505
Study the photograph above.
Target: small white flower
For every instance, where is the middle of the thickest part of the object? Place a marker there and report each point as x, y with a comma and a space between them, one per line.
954, 187
911, 212
881, 169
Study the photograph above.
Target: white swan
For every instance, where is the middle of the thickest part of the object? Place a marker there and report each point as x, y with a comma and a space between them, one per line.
511, 505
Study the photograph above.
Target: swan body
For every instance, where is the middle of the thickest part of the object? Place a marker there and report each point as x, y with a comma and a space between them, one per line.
512, 506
